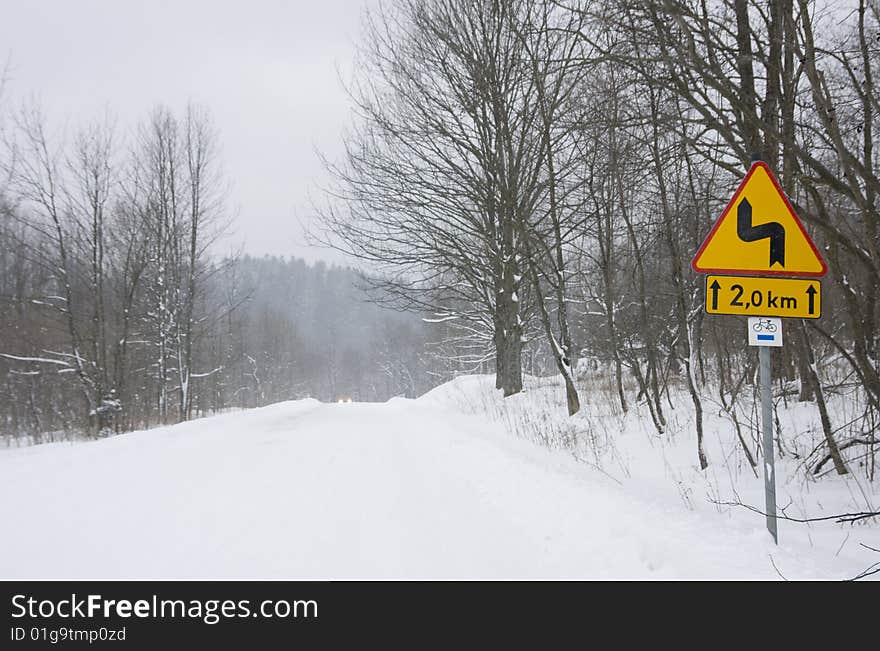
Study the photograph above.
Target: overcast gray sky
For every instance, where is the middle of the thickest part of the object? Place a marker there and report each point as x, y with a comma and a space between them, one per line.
266, 69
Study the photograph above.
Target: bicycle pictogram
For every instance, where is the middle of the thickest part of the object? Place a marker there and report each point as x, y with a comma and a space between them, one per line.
764, 325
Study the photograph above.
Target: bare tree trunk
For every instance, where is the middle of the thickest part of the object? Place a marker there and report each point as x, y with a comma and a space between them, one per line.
813, 378
558, 351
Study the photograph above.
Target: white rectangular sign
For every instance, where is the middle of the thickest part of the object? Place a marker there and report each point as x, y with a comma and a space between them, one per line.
765, 331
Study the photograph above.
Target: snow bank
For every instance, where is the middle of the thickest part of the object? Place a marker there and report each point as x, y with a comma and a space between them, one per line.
663, 469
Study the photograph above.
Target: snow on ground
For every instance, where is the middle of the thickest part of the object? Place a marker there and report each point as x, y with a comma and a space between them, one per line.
627, 450
434, 488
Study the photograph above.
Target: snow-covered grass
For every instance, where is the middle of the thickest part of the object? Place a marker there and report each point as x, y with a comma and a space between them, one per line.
80, 433
451, 486
627, 449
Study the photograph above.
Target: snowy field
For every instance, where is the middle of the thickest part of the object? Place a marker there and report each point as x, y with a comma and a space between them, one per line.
448, 486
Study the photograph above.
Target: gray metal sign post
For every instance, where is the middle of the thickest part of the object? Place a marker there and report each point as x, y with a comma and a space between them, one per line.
766, 332
767, 426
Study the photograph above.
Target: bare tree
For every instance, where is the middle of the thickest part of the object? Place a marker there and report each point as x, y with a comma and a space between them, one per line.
557, 218
65, 197
447, 157
179, 198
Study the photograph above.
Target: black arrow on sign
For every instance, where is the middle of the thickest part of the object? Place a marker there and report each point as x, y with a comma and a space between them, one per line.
748, 233
811, 293
715, 287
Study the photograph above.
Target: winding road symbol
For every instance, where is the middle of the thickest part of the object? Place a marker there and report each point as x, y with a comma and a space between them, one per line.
772, 230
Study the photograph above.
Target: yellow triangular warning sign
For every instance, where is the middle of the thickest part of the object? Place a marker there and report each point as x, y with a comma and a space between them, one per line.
759, 234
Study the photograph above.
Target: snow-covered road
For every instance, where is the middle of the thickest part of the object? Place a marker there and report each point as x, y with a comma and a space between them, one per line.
304, 490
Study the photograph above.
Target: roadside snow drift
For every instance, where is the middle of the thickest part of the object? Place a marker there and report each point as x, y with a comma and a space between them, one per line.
401, 490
